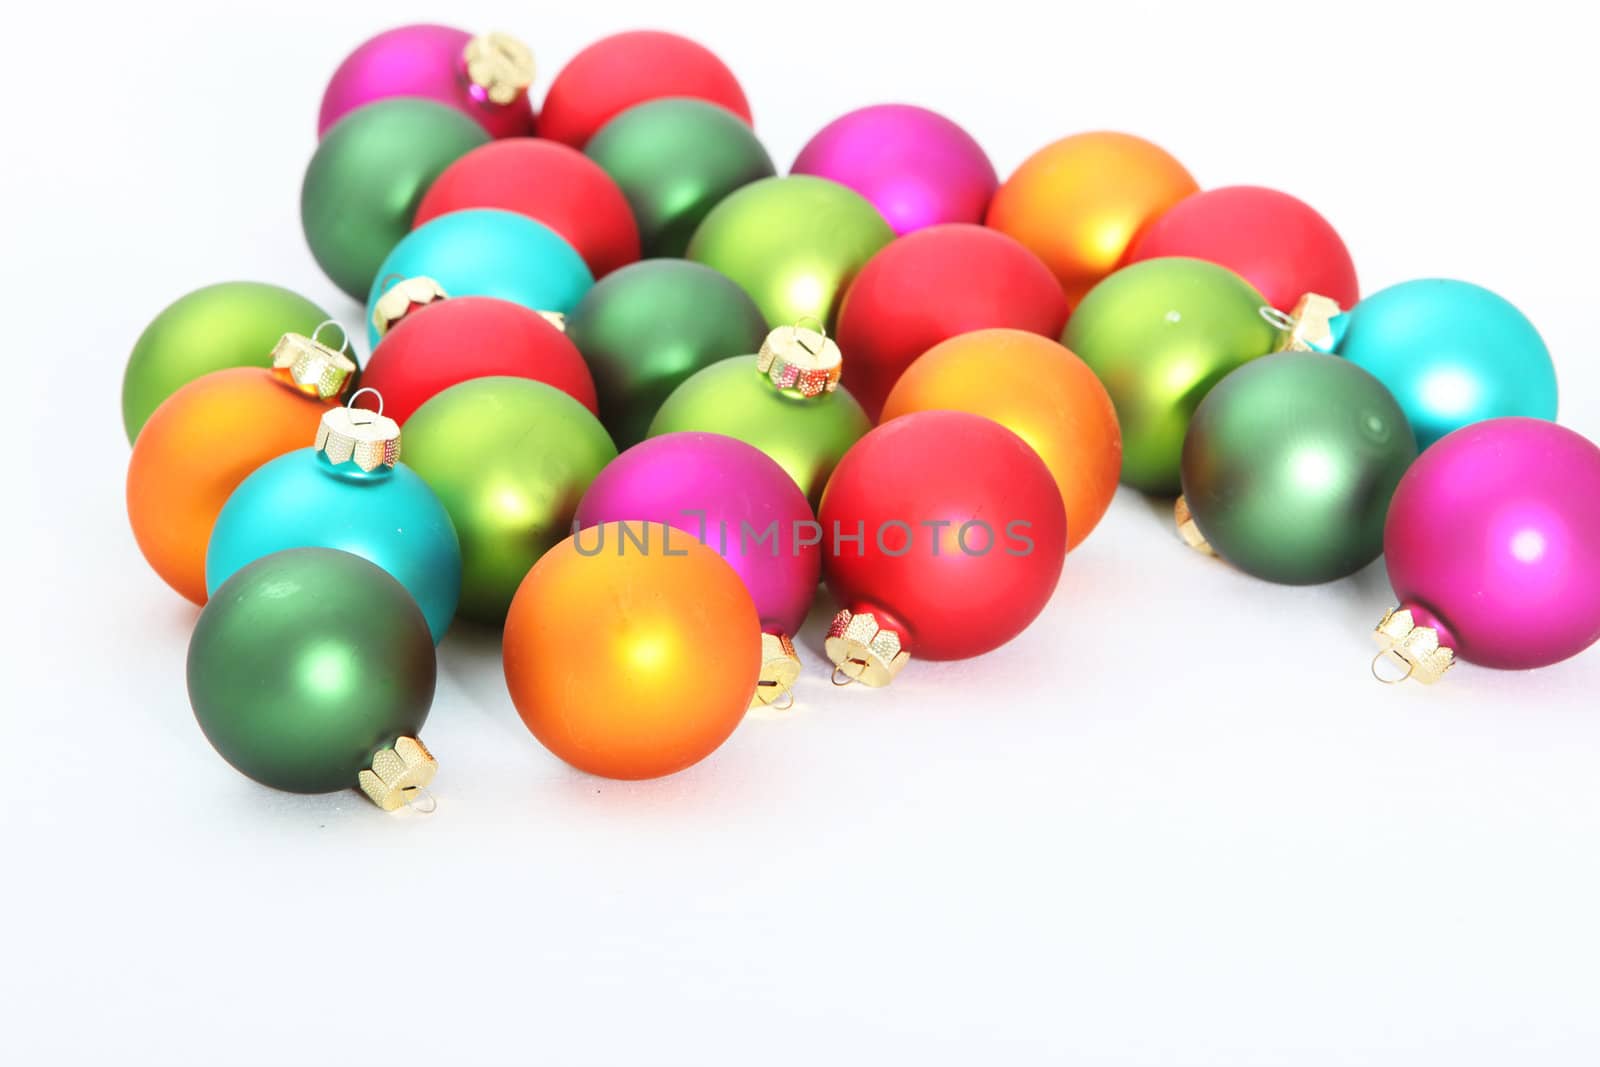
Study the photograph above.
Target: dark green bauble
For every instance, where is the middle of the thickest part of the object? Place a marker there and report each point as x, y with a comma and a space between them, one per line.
647, 327
1289, 465
675, 159
231, 324
368, 175
307, 662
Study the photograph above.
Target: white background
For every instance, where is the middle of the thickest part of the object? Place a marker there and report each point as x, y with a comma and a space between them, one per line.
1176, 823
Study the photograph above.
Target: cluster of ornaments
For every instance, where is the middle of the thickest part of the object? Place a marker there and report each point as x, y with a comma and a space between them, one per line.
652, 394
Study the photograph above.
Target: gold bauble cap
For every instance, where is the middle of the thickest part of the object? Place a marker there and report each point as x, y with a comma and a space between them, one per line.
369, 439
399, 776
554, 318
402, 298
801, 361
500, 65
863, 650
1414, 647
1188, 529
1308, 328
780, 669
308, 366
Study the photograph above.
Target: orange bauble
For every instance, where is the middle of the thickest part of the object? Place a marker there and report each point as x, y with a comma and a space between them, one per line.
632, 653
199, 445
1039, 391
1080, 202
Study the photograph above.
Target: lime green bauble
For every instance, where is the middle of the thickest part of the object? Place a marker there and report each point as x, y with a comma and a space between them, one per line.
647, 327
509, 458
794, 244
368, 175
804, 435
232, 324
675, 159
1160, 334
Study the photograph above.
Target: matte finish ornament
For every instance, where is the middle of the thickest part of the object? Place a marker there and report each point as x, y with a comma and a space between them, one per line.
675, 159
1160, 334
366, 178
646, 328
306, 665
1290, 464
487, 252
915, 166
794, 244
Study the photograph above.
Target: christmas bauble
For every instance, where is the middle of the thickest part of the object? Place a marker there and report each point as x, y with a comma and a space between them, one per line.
208, 437
1289, 465
932, 285
348, 491
509, 458
805, 435
366, 178
625, 69
484, 77
1080, 202
1036, 389
232, 324
645, 329
1160, 334
793, 244
307, 666
548, 181
914, 165
1275, 242
631, 650
465, 337
1452, 353
675, 159
944, 536
1493, 548
487, 252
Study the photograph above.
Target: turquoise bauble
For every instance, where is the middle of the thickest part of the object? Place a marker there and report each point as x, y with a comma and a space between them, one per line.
374, 508
487, 252
1452, 353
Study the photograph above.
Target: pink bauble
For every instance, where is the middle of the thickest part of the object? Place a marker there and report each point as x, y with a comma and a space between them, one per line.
422, 60
915, 166
733, 498
1493, 539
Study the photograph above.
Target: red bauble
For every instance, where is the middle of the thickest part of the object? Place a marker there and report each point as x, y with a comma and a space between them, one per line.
547, 181
930, 286
963, 532
625, 69
1275, 242
464, 337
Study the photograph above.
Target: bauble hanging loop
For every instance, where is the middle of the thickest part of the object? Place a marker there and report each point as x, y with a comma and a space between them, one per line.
367, 438
1308, 328
864, 650
400, 775
780, 670
499, 66
800, 361
308, 366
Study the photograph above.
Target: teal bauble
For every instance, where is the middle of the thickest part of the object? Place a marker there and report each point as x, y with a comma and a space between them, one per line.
305, 664
1452, 353
350, 492
487, 252
367, 176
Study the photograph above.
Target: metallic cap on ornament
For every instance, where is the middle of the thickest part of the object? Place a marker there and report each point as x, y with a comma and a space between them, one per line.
863, 650
399, 775
799, 361
1188, 529
1309, 328
499, 65
369, 439
308, 366
780, 669
554, 318
1415, 647
402, 298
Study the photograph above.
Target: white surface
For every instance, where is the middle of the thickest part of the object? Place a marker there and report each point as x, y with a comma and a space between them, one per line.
1174, 824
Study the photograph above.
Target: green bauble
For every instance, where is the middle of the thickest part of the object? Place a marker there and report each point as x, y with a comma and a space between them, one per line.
676, 158
232, 324
368, 175
509, 458
806, 436
1160, 334
645, 328
307, 662
794, 244
1289, 466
